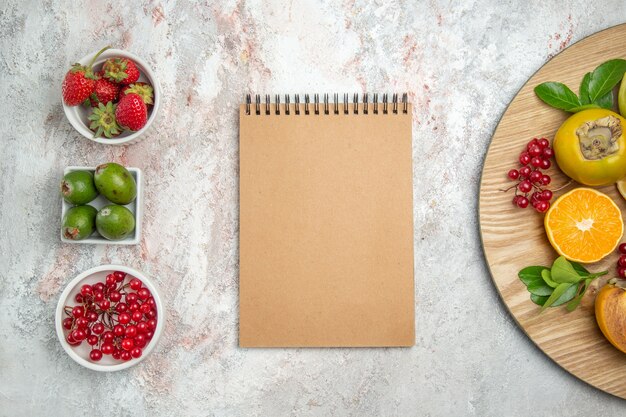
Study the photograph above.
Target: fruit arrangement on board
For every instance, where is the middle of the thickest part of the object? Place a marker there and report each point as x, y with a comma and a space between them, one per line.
117, 317
117, 100
583, 225
113, 221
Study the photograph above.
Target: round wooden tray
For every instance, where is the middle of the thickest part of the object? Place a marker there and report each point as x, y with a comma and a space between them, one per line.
514, 238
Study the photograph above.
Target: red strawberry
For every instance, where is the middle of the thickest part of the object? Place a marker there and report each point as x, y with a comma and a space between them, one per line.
131, 112
120, 71
79, 82
144, 90
104, 91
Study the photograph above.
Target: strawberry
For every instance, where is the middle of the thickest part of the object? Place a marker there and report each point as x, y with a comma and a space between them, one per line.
144, 90
131, 112
103, 121
79, 82
104, 91
120, 70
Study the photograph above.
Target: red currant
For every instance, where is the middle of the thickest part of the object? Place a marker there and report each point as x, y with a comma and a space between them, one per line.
97, 328
115, 296
78, 311
622, 261
107, 348
137, 315
536, 162
542, 206
513, 174
123, 318
118, 330
152, 314
133, 306
543, 143
117, 354
98, 296
128, 344
95, 355
92, 340
546, 195
522, 202
125, 356
621, 272
79, 298
534, 150
545, 164
548, 153
111, 281
119, 276
108, 336
149, 335
136, 353
524, 187
622, 248
142, 327
121, 307
131, 297
131, 331
545, 180
535, 176
150, 302
86, 290
140, 340
105, 304
98, 287
135, 284
79, 335
71, 341
152, 323
82, 323
67, 323
524, 172
524, 158
143, 293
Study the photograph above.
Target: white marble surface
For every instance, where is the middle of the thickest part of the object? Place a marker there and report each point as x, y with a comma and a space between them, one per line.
461, 62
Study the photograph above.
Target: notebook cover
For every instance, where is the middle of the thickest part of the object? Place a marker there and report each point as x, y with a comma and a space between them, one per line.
326, 230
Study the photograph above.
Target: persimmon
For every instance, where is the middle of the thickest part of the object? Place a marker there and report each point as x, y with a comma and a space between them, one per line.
610, 309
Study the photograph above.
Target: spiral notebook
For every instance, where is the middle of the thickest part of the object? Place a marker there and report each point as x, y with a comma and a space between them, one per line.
326, 223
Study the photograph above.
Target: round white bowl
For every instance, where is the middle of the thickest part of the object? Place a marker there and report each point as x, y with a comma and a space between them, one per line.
78, 115
80, 354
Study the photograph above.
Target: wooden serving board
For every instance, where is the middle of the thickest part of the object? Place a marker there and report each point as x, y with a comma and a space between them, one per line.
514, 238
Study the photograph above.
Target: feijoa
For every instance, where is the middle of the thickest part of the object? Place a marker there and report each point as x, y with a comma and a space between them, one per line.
115, 222
79, 222
78, 187
115, 183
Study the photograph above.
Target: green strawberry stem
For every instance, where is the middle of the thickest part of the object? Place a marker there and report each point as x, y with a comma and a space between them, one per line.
97, 55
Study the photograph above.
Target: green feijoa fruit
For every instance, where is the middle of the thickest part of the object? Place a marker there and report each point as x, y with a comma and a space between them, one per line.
115, 183
115, 222
79, 222
78, 187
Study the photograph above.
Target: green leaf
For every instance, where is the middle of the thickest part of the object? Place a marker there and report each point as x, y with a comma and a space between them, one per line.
556, 294
583, 90
557, 95
531, 274
605, 77
566, 296
540, 288
538, 299
547, 278
606, 101
563, 272
583, 107
581, 270
571, 306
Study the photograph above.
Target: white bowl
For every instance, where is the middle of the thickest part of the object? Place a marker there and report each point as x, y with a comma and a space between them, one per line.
136, 207
80, 354
77, 115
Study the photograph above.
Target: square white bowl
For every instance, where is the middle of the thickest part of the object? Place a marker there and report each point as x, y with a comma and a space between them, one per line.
136, 207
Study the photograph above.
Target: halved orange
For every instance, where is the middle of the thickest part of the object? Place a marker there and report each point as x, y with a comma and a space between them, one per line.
584, 225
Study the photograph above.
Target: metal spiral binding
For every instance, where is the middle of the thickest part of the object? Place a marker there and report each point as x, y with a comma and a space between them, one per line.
364, 105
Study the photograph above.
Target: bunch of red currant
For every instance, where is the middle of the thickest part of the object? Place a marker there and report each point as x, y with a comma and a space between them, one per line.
621, 261
532, 180
115, 317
